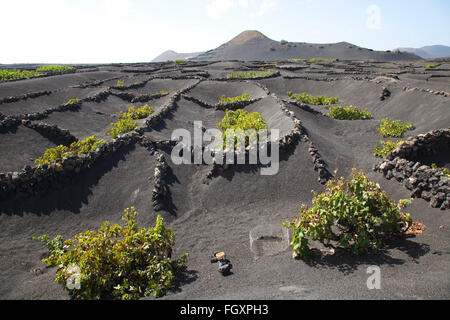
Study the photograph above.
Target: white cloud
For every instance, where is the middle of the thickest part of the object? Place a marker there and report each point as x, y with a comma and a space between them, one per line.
266, 6
218, 7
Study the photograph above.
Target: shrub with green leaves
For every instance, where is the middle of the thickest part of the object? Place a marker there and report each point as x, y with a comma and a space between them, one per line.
431, 66
241, 121
126, 262
393, 128
353, 213
314, 60
124, 125
77, 148
85, 146
349, 113
71, 102
181, 61
445, 171
14, 74
385, 147
319, 100
54, 69
225, 100
251, 74
120, 83
139, 113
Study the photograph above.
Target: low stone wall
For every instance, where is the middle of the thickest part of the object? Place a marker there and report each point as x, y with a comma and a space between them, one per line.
160, 190
154, 119
14, 120
52, 132
403, 164
25, 96
35, 180
222, 106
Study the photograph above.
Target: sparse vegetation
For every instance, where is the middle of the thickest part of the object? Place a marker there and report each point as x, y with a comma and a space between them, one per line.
14, 74
385, 147
124, 125
60, 152
139, 113
120, 83
251, 74
225, 100
125, 262
349, 113
319, 100
445, 171
315, 60
353, 213
181, 61
127, 121
298, 60
431, 66
241, 120
71, 102
393, 128
54, 69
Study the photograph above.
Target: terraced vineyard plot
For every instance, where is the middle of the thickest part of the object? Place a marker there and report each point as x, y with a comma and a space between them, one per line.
81, 123
183, 117
20, 146
211, 91
18, 88
45, 102
215, 208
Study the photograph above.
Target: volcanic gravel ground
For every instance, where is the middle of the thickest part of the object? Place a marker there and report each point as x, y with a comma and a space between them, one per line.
210, 213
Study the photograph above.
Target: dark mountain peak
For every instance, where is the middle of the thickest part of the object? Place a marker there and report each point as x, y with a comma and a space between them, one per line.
247, 36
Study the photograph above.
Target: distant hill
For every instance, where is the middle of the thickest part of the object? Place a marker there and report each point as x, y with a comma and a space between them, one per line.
430, 52
172, 55
253, 45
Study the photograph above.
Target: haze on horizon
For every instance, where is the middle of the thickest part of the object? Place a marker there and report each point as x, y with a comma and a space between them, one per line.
106, 31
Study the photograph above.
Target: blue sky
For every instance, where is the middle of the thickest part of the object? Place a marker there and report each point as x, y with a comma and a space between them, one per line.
90, 31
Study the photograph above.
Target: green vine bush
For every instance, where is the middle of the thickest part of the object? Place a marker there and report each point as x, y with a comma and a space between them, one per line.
353, 213
319, 100
71, 102
77, 148
14, 74
54, 69
125, 262
251, 75
127, 121
385, 147
122, 126
139, 113
241, 121
226, 100
349, 113
393, 128
314, 60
